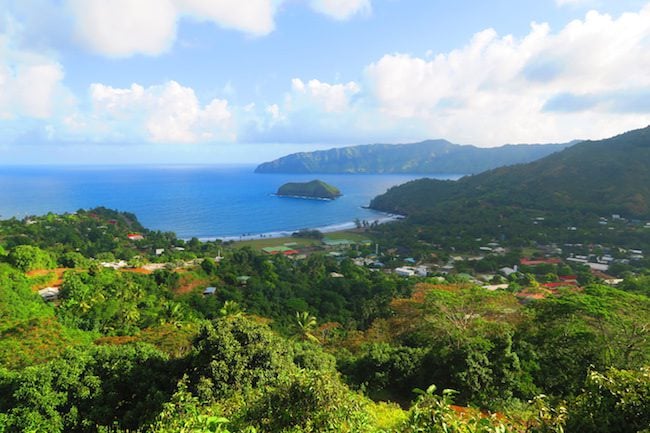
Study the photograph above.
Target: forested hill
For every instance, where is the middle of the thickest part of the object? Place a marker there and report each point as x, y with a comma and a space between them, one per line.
606, 176
431, 156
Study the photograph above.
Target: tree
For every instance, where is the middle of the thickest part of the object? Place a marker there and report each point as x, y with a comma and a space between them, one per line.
28, 258
305, 326
616, 401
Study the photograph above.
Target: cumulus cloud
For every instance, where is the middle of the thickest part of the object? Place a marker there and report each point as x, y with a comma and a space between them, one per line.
121, 28
341, 9
329, 97
254, 17
167, 113
582, 81
30, 83
124, 27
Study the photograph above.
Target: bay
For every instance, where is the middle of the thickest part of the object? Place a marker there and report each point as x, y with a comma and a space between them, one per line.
193, 201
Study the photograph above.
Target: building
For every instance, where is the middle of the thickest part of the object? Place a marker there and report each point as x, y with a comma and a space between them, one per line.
337, 243
422, 271
508, 271
49, 293
209, 291
405, 272
280, 250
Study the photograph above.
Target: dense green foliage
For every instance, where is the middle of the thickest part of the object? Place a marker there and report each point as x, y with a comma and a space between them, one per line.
312, 189
493, 349
604, 177
319, 344
432, 157
279, 287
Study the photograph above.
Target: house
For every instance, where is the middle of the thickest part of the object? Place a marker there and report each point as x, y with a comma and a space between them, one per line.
209, 291
159, 251
135, 236
49, 293
405, 272
598, 267
576, 260
508, 271
422, 271
243, 279
279, 250
337, 243
493, 287
114, 265
336, 275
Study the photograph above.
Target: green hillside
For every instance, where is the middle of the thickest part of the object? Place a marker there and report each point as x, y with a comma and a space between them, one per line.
313, 189
431, 156
605, 176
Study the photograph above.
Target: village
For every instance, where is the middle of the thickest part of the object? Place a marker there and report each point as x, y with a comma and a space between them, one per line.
533, 272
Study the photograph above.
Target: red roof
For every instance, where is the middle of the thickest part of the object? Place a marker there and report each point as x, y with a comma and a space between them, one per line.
569, 278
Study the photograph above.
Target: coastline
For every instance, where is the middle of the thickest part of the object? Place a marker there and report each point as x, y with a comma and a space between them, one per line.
331, 228
304, 197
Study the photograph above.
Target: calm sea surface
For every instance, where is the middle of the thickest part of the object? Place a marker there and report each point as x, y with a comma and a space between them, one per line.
201, 201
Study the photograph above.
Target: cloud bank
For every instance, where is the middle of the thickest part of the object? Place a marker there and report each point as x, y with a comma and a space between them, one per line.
588, 79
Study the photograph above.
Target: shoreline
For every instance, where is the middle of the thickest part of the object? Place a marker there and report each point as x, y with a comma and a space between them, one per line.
331, 228
305, 197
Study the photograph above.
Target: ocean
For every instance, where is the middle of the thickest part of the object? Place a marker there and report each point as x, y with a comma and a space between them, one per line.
207, 202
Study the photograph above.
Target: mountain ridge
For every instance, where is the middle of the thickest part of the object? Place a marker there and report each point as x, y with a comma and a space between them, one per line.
609, 175
425, 157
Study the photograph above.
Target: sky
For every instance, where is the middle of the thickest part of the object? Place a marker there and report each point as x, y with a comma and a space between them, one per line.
234, 81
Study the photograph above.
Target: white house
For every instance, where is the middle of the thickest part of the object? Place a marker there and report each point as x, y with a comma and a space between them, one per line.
49, 293
405, 272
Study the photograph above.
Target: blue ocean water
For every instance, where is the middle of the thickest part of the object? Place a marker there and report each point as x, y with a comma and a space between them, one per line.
202, 201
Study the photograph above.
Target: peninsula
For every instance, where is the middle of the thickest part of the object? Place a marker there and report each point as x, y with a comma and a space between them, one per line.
316, 189
427, 157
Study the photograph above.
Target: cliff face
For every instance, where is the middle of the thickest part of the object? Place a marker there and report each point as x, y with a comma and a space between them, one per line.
313, 189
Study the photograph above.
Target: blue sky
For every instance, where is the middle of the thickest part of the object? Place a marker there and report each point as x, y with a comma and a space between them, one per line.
223, 81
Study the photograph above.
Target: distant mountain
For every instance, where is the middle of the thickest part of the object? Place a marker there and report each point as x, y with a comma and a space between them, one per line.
314, 189
427, 157
605, 176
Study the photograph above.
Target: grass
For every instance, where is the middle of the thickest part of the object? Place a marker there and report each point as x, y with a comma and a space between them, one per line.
349, 235
258, 244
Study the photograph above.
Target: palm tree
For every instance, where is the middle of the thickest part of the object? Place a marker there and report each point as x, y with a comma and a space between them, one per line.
231, 309
305, 326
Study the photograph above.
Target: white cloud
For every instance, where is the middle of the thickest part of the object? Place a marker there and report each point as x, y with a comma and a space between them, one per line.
121, 28
30, 83
124, 27
545, 86
168, 113
341, 9
251, 16
330, 97
274, 111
